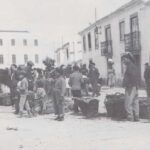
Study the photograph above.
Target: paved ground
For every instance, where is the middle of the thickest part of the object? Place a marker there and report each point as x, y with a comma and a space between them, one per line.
75, 133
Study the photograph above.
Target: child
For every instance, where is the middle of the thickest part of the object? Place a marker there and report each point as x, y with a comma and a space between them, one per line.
22, 88
58, 95
40, 97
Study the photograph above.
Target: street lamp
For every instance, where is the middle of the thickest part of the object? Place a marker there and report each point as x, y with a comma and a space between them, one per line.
97, 30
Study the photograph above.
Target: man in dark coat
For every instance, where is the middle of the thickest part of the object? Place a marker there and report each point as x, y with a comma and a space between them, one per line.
147, 78
29, 75
93, 77
130, 83
13, 89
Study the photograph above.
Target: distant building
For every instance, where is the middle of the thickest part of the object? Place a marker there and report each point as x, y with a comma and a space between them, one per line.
17, 47
124, 30
69, 53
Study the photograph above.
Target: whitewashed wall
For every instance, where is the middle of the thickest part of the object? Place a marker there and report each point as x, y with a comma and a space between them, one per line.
118, 46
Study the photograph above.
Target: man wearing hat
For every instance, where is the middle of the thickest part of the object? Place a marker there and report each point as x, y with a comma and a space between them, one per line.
59, 93
147, 78
94, 76
29, 74
13, 89
130, 83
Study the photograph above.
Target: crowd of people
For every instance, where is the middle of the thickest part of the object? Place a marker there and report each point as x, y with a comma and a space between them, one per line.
31, 86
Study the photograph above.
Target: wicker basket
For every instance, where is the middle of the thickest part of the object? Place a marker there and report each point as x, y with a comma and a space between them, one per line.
5, 99
88, 106
144, 108
115, 106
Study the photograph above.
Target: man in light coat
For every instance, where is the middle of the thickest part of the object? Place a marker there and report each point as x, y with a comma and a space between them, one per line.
75, 82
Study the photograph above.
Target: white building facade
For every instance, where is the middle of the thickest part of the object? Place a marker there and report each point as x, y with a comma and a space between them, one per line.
69, 53
17, 47
125, 30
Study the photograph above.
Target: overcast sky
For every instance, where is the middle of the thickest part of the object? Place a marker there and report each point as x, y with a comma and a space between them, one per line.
53, 19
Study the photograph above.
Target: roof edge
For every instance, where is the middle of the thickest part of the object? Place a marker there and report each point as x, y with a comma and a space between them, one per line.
122, 8
14, 31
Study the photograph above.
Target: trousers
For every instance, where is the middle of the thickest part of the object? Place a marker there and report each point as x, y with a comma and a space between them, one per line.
95, 88
23, 103
148, 90
58, 103
131, 103
76, 93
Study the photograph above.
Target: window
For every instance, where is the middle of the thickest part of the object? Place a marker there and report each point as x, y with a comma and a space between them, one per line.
36, 58
134, 23
1, 42
25, 58
108, 33
36, 42
1, 59
84, 43
13, 59
25, 42
89, 41
12, 42
96, 39
122, 30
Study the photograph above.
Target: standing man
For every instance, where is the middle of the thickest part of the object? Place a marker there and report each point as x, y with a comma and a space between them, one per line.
13, 88
75, 82
58, 94
111, 73
29, 75
94, 76
147, 79
84, 72
130, 83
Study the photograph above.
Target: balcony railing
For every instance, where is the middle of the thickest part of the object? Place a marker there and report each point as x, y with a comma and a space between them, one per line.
106, 48
132, 42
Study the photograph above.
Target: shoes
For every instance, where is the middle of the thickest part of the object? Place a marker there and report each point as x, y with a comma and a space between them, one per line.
59, 118
130, 119
16, 112
136, 119
29, 114
56, 118
20, 115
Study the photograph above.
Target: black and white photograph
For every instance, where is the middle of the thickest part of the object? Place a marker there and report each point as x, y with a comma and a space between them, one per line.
74, 75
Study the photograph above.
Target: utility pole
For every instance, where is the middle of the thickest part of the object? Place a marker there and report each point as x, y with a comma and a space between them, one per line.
95, 15
62, 41
73, 50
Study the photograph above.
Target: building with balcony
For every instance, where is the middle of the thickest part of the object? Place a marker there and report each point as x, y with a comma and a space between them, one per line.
69, 53
124, 30
17, 47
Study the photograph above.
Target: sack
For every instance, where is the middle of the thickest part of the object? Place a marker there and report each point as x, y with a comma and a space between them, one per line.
115, 106
89, 106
